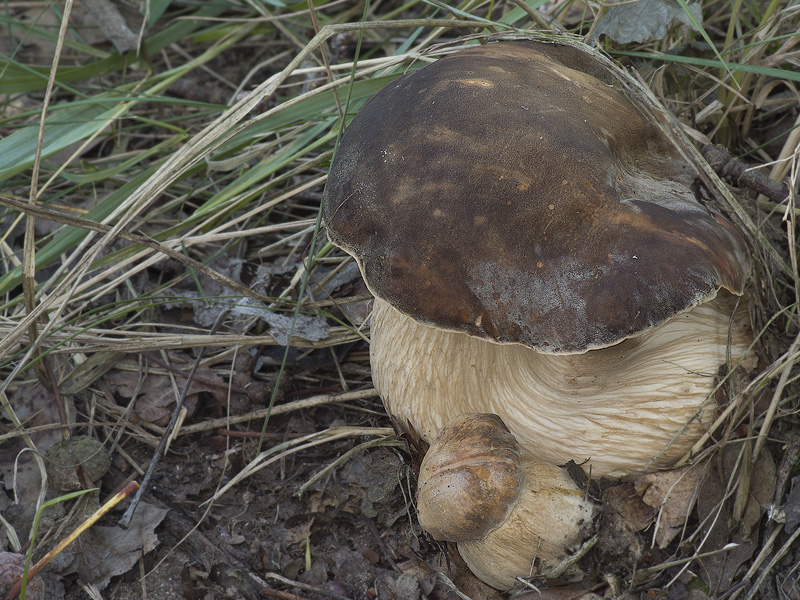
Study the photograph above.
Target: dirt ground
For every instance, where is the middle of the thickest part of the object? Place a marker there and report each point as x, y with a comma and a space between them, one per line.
351, 533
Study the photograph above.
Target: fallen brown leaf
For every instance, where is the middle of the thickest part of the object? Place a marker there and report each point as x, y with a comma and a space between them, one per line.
105, 552
672, 494
33, 406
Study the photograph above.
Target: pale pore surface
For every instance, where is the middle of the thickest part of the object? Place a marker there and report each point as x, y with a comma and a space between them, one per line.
617, 407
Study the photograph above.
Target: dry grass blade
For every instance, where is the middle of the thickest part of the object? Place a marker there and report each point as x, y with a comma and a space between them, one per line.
281, 451
29, 261
278, 410
787, 364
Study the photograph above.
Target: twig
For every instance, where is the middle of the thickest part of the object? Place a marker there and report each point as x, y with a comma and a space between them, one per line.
255, 434
643, 574
305, 586
33, 571
572, 559
737, 172
280, 409
268, 591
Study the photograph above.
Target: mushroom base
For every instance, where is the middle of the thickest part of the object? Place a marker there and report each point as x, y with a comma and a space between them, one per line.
634, 407
551, 517
510, 517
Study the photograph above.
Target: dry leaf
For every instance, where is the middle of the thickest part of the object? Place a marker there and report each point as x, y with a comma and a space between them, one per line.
308, 327
376, 474
124, 383
34, 406
625, 500
299, 533
118, 20
792, 506
76, 462
157, 404
105, 552
673, 494
157, 399
646, 20
624, 514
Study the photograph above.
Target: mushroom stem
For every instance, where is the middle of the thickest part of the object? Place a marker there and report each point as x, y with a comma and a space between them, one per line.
511, 516
636, 406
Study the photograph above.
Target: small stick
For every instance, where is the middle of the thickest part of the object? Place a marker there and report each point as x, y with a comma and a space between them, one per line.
737, 172
305, 586
256, 434
272, 592
33, 571
305, 403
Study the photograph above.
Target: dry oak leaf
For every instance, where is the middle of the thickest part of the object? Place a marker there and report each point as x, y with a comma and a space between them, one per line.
673, 494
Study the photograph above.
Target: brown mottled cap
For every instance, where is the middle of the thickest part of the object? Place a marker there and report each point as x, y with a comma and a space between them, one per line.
511, 192
470, 479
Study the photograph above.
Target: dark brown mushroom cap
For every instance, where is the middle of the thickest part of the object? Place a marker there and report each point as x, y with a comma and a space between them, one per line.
511, 192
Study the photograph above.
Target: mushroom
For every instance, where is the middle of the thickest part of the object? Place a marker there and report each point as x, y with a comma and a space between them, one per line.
536, 250
476, 489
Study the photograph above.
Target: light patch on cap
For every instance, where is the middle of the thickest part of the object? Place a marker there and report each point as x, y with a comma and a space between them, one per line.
479, 82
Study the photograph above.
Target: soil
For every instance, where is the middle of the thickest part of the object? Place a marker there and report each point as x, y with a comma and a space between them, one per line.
353, 532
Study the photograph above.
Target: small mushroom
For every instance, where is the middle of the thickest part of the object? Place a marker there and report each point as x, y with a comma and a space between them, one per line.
536, 250
476, 490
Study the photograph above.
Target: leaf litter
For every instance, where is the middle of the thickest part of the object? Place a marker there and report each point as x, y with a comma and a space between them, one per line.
673, 495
